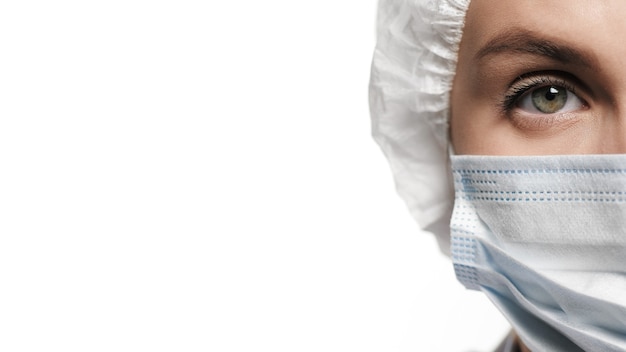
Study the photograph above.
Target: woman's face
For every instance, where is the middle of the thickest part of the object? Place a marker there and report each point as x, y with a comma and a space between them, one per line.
541, 77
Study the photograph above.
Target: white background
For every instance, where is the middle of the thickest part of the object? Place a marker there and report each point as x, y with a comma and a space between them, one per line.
200, 176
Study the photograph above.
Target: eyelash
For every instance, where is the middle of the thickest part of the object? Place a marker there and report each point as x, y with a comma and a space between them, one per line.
527, 83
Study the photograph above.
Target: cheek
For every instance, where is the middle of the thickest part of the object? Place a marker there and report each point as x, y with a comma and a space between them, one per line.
474, 130
472, 121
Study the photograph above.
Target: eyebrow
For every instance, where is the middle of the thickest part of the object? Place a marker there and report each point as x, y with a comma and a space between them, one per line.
522, 41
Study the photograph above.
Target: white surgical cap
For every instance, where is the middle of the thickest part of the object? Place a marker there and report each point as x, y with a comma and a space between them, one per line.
412, 72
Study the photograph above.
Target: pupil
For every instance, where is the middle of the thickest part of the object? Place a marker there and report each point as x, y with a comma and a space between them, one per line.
552, 93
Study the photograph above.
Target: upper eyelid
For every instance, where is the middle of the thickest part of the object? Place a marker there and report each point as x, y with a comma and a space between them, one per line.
546, 78
524, 87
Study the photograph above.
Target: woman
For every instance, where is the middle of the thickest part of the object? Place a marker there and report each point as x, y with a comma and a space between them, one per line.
518, 108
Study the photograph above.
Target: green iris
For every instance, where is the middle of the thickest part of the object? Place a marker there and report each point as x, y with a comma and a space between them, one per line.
549, 99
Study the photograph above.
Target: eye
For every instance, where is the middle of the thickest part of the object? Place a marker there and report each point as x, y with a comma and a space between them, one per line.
550, 99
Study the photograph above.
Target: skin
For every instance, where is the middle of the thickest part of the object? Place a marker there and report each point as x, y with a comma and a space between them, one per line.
576, 46
593, 30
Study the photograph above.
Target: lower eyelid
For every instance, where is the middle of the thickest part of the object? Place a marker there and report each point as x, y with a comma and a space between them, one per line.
539, 123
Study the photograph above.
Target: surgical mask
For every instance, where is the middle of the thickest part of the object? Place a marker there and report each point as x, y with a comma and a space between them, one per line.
545, 239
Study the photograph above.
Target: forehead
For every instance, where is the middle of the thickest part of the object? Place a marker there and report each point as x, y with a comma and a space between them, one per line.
593, 25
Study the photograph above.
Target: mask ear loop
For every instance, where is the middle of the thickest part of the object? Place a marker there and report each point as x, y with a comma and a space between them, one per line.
449, 154
449, 176
450, 151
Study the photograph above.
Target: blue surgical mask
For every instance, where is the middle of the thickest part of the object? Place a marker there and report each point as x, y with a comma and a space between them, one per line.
545, 239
